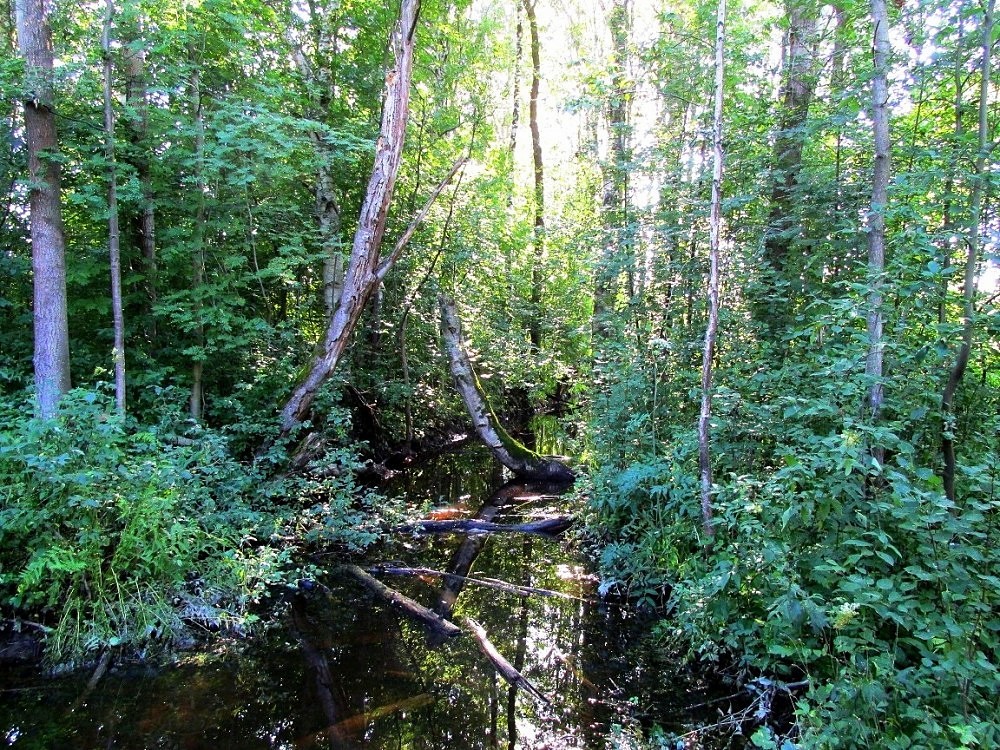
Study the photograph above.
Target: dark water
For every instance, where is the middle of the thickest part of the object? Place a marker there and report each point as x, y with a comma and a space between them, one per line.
343, 671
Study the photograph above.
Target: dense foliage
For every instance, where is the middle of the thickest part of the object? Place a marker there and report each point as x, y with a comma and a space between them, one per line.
839, 560
853, 552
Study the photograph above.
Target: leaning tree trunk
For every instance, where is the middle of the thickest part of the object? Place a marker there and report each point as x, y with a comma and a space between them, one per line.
366, 268
508, 451
51, 321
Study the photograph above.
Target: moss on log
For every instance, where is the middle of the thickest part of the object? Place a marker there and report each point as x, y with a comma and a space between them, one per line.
523, 461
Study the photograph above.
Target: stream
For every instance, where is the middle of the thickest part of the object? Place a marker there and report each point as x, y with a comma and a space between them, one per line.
342, 670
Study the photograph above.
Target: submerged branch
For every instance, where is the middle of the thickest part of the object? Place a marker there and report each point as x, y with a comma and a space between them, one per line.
504, 667
493, 583
403, 603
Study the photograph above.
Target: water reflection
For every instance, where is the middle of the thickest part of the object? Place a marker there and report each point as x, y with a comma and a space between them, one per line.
347, 672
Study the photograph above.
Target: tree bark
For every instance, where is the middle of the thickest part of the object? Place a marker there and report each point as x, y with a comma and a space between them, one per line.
364, 270
143, 224
715, 233
508, 451
114, 246
876, 214
797, 89
535, 323
48, 254
971, 260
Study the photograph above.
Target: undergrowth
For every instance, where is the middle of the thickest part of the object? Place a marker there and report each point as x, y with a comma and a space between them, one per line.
116, 535
857, 580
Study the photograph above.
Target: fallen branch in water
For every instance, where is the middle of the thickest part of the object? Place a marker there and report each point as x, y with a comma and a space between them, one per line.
492, 583
102, 667
543, 527
402, 602
504, 667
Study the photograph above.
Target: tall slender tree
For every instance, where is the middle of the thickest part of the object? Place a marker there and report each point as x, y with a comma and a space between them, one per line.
141, 224
798, 85
715, 234
197, 397
614, 198
876, 213
51, 356
114, 244
537, 270
972, 255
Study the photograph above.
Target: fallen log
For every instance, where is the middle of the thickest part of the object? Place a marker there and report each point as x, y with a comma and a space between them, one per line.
508, 451
544, 527
504, 667
437, 624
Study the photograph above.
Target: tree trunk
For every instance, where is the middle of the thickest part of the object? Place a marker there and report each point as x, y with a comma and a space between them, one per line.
197, 398
508, 451
114, 247
715, 230
797, 89
615, 190
537, 278
51, 325
364, 271
876, 214
971, 260
144, 222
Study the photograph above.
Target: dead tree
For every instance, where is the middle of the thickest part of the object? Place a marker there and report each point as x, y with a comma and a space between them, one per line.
367, 268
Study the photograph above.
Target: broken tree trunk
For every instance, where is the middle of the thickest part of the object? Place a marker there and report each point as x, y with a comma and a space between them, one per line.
367, 268
508, 451
504, 667
403, 603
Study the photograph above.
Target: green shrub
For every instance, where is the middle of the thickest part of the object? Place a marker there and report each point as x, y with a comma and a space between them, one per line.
113, 536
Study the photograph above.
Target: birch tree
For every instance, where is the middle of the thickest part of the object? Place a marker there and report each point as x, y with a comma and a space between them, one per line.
715, 231
114, 244
876, 213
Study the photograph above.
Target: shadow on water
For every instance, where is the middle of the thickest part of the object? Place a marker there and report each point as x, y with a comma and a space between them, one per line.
345, 671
